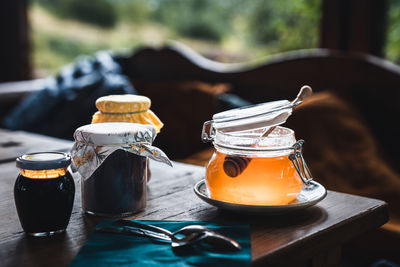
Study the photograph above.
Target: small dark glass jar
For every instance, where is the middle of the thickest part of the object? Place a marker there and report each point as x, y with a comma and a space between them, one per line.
44, 193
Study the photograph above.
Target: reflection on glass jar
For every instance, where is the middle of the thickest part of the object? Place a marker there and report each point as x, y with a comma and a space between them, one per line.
253, 170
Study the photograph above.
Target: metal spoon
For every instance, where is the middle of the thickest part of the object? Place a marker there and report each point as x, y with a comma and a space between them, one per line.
192, 234
187, 240
134, 232
211, 236
304, 92
175, 242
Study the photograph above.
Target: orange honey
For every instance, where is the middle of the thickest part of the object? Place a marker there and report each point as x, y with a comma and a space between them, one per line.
255, 180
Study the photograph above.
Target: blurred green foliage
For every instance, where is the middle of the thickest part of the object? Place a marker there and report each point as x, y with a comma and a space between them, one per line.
53, 51
99, 12
287, 23
291, 23
392, 47
202, 19
135, 11
257, 27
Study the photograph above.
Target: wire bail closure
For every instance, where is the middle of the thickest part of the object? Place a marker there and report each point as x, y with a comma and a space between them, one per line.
299, 163
208, 132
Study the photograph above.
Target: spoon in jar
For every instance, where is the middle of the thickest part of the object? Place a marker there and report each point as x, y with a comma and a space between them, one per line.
234, 165
304, 92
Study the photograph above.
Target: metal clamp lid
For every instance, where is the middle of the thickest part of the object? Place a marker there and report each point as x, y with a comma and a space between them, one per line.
265, 115
299, 163
208, 132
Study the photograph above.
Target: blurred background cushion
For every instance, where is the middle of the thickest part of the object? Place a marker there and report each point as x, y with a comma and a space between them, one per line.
183, 107
67, 101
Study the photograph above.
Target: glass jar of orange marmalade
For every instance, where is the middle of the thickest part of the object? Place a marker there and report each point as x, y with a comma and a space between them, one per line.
256, 162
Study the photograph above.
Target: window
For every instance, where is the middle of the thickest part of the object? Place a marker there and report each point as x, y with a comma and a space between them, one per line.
224, 30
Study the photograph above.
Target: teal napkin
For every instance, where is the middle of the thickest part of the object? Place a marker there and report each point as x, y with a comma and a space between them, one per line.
105, 249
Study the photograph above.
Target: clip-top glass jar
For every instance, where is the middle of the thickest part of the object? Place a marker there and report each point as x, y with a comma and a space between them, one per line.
44, 192
256, 162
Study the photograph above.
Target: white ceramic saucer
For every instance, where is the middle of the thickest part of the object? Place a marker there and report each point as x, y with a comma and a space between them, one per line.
308, 196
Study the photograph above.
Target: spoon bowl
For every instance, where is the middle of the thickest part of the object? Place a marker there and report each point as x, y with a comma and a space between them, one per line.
210, 236
191, 234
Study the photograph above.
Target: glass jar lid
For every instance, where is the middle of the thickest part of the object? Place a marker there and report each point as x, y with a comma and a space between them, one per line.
261, 116
43, 161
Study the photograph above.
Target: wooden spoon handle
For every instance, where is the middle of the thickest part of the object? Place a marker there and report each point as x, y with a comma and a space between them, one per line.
234, 165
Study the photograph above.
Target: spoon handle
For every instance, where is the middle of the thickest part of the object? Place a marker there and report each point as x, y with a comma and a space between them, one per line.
222, 242
143, 226
304, 92
134, 232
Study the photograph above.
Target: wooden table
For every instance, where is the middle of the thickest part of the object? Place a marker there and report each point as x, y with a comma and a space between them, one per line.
312, 237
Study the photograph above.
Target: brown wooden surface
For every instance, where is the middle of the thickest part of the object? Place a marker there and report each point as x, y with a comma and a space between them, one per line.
16, 143
311, 237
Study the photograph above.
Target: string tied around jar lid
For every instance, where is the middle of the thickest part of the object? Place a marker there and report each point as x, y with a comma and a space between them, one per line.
126, 108
124, 113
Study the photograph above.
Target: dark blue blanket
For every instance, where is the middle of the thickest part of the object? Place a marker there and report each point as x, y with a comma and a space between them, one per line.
67, 101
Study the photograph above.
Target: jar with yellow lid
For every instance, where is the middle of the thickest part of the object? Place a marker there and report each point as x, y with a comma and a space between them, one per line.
126, 108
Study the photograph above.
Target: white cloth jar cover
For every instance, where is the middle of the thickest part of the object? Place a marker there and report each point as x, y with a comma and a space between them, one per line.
95, 142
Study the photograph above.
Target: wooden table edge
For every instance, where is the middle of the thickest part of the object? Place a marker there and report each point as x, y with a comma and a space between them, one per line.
380, 214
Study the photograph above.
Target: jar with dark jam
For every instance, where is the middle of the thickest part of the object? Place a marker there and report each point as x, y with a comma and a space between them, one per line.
117, 187
44, 193
112, 160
